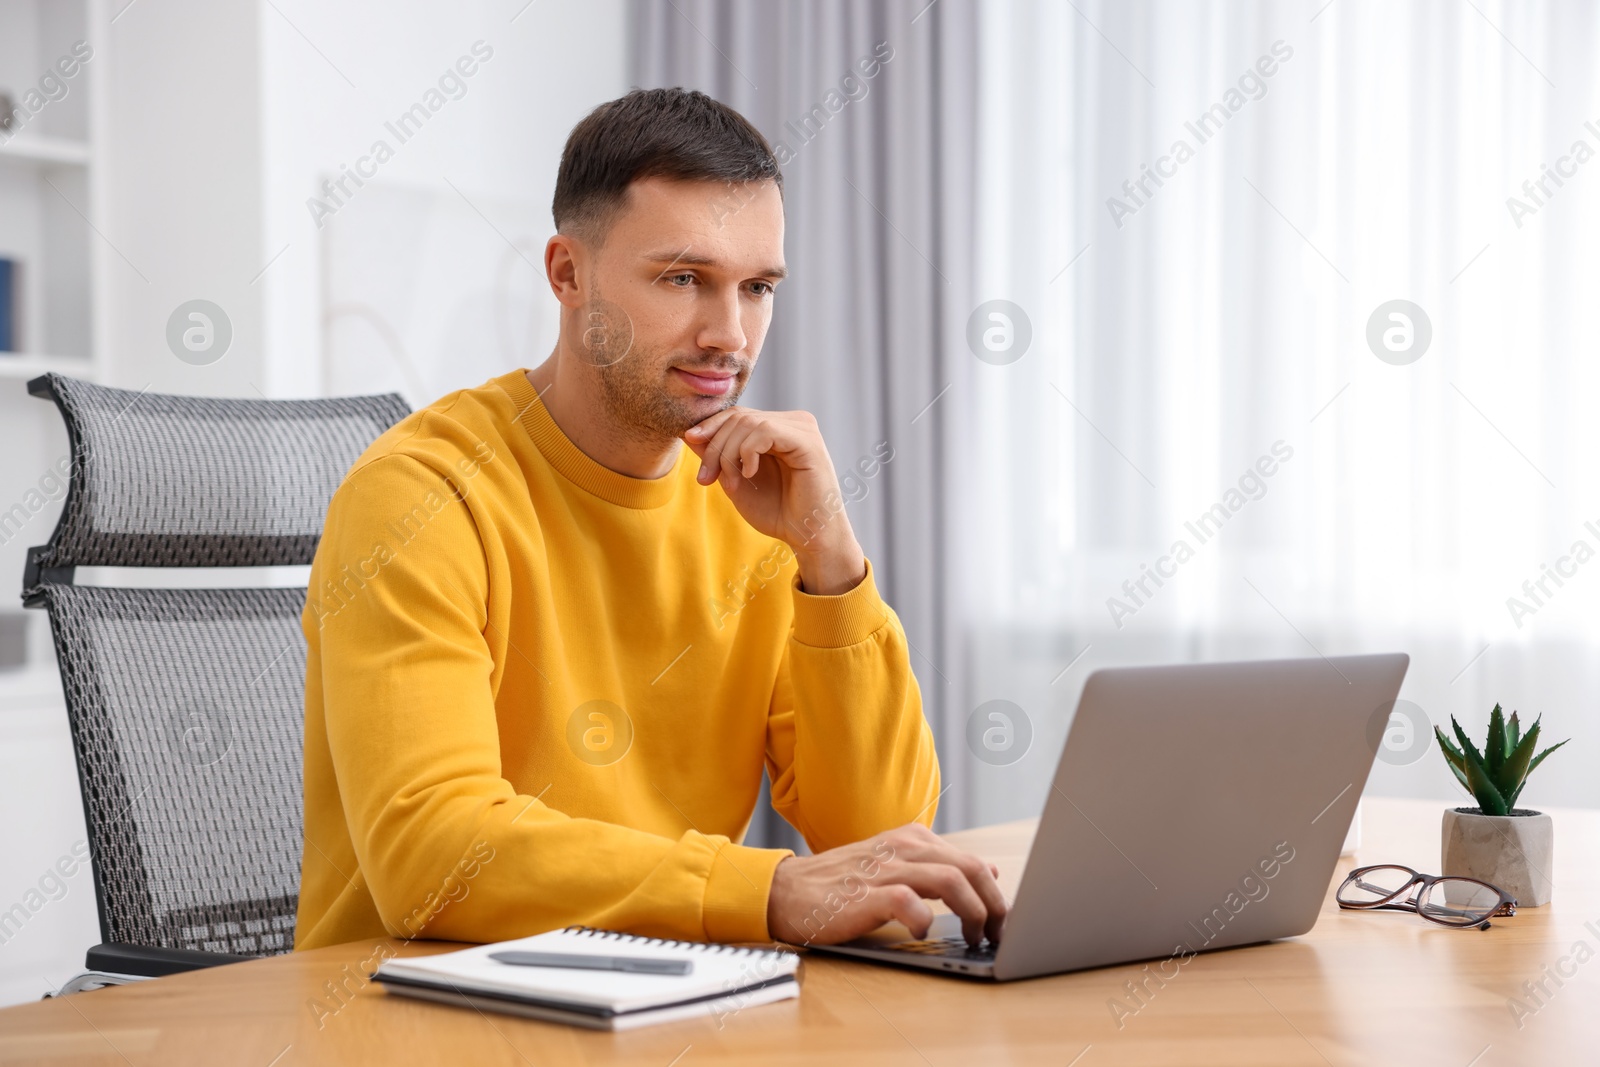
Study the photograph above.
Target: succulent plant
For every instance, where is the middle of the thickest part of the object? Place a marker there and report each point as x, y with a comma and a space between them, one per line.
1496, 775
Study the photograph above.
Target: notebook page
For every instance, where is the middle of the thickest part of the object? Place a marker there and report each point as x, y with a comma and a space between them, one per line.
717, 969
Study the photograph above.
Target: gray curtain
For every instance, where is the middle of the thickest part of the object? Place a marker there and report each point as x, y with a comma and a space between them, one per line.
870, 326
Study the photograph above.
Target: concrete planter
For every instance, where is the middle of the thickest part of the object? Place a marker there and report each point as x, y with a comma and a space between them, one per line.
1513, 851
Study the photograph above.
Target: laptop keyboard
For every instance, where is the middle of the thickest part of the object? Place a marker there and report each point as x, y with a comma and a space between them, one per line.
951, 947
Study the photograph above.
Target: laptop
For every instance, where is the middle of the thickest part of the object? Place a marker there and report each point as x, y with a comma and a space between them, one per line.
1194, 808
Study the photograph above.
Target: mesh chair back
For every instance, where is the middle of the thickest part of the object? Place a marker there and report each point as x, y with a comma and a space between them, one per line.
183, 481
187, 705
186, 717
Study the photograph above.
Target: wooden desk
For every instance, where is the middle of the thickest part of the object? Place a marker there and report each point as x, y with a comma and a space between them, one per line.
1361, 989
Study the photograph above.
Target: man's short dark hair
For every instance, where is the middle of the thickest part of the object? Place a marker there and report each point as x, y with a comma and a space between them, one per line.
679, 134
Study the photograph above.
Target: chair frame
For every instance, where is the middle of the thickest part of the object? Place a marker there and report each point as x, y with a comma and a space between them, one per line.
113, 963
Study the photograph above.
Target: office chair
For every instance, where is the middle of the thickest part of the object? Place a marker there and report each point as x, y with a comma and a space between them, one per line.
186, 705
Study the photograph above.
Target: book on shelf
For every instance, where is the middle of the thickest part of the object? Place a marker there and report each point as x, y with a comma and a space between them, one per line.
10, 305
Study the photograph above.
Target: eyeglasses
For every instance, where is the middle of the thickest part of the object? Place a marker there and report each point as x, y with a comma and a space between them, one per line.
1448, 901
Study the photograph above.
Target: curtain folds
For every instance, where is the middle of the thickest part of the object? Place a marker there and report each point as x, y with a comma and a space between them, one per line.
1198, 217
1209, 209
872, 111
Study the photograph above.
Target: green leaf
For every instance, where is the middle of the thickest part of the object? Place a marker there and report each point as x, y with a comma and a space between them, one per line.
1468, 749
1513, 732
1515, 770
1452, 756
1540, 757
1449, 746
1490, 799
1494, 746
1511, 804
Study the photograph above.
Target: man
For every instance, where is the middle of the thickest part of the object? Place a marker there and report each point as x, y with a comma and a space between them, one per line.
551, 649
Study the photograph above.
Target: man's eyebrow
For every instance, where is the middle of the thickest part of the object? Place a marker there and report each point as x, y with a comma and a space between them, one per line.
694, 259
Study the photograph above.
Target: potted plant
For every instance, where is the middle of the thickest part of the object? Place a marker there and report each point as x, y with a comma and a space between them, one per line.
1498, 842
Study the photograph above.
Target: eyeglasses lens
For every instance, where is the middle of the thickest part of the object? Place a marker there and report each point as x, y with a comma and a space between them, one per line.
1459, 901
1377, 884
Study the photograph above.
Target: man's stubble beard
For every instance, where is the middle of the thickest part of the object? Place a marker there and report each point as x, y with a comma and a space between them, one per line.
634, 390
633, 383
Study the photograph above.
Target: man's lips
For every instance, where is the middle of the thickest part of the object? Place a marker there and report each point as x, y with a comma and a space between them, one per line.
711, 383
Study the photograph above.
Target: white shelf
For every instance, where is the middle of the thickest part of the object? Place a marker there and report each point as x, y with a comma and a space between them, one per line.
23, 365
45, 150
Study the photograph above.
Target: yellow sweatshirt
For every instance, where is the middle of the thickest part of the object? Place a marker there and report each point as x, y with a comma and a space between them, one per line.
539, 692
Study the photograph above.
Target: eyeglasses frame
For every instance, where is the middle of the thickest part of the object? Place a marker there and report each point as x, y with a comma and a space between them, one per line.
1424, 884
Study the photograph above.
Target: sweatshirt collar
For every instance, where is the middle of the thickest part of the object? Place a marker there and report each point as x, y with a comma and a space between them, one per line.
568, 459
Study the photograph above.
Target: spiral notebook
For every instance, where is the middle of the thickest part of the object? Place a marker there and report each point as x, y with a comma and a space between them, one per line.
723, 980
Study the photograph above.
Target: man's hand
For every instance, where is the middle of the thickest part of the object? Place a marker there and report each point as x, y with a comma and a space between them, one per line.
775, 468
849, 891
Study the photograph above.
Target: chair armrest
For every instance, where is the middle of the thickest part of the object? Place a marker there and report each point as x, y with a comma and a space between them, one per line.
147, 962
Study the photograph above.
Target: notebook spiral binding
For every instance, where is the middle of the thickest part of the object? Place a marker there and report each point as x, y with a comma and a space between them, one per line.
692, 946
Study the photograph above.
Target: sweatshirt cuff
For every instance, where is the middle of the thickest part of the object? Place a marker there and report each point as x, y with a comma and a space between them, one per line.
839, 621
737, 887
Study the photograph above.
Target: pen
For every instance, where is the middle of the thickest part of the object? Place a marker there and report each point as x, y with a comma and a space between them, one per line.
634, 964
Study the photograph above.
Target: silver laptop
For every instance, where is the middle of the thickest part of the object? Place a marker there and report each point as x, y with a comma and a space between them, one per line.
1194, 808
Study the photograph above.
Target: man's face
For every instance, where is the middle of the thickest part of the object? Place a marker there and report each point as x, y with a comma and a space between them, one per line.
680, 300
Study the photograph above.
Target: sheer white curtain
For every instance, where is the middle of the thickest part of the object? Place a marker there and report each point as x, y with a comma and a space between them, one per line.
1355, 154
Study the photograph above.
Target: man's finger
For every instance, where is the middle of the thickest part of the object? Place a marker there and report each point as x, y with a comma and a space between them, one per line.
726, 451
978, 874
897, 903
756, 443
716, 446
982, 878
702, 430
730, 445
950, 884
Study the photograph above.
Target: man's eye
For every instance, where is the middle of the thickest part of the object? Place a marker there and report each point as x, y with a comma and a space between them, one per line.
675, 278
762, 288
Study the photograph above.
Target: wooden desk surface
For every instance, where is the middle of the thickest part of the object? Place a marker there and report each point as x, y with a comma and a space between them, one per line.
1359, 989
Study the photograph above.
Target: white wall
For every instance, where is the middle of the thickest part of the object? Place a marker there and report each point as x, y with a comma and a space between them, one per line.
225, 118
221, 121
183, 189
499, 144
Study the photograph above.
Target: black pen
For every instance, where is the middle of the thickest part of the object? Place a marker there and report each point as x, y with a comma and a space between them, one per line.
574, 961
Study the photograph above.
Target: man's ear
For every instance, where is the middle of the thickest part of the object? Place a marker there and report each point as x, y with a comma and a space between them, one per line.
566, 265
